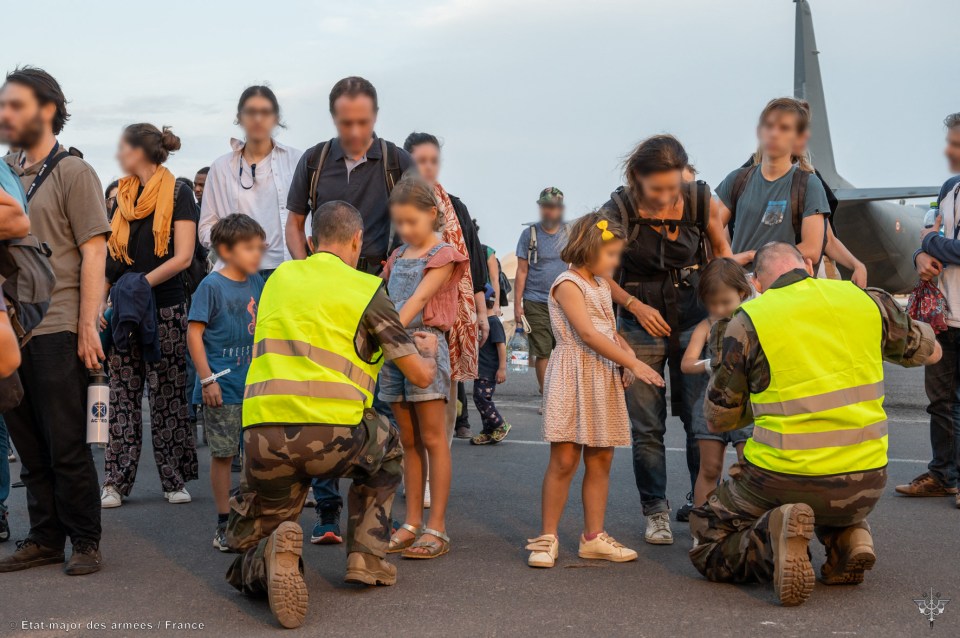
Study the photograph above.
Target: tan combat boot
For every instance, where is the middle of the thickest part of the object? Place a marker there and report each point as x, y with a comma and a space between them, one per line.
286, 590
791, 529
848, 556
367, 569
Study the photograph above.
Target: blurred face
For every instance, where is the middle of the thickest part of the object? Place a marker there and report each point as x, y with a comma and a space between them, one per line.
722, 303
130, 158
803, 140
551, 215
23, 121
198, 182
427, 158
778, 135
258, 118
245, 255
953, 149
662, 189
111, 200
414, 226
354, 116
608, 259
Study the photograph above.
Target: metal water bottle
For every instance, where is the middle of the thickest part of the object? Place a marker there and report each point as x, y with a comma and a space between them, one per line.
98, 408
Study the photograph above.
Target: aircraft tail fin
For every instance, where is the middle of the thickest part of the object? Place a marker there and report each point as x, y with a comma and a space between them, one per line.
880, 194
808, 85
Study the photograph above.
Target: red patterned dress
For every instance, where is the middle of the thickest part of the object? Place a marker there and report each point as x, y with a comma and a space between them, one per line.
463, 339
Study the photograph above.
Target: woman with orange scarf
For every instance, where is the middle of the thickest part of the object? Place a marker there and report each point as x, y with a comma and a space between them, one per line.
152, 243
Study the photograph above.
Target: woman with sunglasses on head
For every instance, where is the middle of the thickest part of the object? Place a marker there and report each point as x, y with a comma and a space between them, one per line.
254, 177
152, 242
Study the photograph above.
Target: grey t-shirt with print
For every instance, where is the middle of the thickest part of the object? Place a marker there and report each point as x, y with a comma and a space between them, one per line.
763, 210
548, 267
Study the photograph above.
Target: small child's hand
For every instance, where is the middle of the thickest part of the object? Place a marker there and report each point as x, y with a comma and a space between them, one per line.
501, 375
645, 373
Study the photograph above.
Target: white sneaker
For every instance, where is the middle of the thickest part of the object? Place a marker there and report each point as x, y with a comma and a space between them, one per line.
178, 497
543, 550
426, 496
658, 529
604, 547
110, 497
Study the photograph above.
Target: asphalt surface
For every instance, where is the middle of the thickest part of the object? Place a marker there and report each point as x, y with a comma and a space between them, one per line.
160, 566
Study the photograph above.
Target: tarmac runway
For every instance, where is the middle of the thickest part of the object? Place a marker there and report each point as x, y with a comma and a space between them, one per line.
160, 566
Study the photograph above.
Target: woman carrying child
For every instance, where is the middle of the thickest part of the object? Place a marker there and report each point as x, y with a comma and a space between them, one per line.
422, 277
585, 413
723, 287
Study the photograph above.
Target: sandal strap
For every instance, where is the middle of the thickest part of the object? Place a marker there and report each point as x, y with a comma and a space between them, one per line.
541, 543
410, 528
437, 533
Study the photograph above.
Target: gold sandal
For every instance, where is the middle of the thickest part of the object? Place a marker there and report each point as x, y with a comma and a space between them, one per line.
396, 545
436, 548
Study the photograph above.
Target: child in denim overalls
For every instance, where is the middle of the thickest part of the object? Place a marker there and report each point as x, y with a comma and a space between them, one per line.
422, 277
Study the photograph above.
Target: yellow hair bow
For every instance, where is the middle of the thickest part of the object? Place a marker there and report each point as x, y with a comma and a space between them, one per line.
606, 234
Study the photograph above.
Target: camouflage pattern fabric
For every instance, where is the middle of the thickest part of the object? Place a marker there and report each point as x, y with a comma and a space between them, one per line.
550, 196
732, 527
380, 328
742, 368
279, 463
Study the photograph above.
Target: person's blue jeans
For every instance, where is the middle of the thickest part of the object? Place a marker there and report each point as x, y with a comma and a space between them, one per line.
4, 466
327, 491
942, 381
647, 406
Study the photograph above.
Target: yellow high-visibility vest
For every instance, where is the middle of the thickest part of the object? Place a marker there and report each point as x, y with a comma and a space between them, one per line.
305, 368
822, 413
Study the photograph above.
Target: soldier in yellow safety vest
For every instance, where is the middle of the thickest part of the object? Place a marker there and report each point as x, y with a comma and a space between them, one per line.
803, 362
323, 331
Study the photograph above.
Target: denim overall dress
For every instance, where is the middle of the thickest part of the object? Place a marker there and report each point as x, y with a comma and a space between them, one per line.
405, 276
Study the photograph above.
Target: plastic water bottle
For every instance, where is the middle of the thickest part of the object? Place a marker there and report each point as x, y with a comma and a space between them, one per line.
98, 408
518, 352
930, 219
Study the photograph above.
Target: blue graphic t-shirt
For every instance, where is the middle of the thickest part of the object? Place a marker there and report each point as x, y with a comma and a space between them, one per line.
229, 309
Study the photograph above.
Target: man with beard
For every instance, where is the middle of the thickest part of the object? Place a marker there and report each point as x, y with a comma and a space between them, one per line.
67, 213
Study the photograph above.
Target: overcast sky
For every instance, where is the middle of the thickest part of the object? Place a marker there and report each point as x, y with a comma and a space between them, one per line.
524, 93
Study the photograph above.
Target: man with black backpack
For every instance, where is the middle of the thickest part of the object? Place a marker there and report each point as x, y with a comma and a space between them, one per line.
356, 167
774, 200
67, 213
359, 168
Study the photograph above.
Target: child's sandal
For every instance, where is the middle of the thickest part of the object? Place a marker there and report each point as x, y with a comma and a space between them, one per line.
396, 545
435, 548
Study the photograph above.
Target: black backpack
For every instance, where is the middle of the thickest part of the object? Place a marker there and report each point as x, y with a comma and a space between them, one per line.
798, 195
28, 283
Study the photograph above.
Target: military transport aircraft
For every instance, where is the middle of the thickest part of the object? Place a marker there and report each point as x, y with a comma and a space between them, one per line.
882, 234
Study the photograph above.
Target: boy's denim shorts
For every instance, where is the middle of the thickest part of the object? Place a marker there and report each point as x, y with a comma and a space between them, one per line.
395, 388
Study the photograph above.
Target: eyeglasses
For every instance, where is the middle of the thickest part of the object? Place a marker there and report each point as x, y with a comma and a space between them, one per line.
258, 113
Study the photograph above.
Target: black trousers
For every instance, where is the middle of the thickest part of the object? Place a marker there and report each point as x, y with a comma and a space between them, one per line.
49, 430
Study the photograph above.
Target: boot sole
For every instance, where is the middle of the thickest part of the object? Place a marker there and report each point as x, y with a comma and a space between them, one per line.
851, 571
39, 562
793, 577
612, 559
286, 590
366, 577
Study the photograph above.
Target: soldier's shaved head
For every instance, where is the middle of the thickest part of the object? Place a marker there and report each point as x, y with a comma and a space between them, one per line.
337, 228
774, 260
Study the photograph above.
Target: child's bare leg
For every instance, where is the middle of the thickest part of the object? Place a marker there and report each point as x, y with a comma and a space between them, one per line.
432, 431
596, 486
414, 466
711, 467
739, 447
564, 458
220, 482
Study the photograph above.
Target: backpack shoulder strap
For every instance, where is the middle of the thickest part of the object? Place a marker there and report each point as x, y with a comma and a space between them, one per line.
798, 196
40, 179
739, 184
702, 205
317, 159
533, 255
391, 164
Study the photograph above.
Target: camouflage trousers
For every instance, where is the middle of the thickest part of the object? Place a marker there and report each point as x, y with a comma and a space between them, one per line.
732, 527
279, 463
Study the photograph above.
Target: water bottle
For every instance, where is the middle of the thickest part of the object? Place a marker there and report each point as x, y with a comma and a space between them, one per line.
518, 352
930, 219
98, 408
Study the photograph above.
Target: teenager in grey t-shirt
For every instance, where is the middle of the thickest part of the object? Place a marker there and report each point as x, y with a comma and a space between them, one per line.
763, 209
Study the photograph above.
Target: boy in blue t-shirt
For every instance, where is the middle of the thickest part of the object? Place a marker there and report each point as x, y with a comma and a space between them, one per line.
492, 369
223, 316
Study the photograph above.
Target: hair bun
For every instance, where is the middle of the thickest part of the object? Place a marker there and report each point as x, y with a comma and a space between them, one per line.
169, 141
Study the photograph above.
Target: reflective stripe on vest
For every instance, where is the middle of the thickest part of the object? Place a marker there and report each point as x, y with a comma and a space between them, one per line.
822, 412
305, 368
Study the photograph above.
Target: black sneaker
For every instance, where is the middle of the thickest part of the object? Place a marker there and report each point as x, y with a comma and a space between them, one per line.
85, 559
30, 554
326, 531
220, 538
4, 528
683, 514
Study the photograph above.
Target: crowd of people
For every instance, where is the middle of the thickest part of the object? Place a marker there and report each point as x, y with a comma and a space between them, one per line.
318, 313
